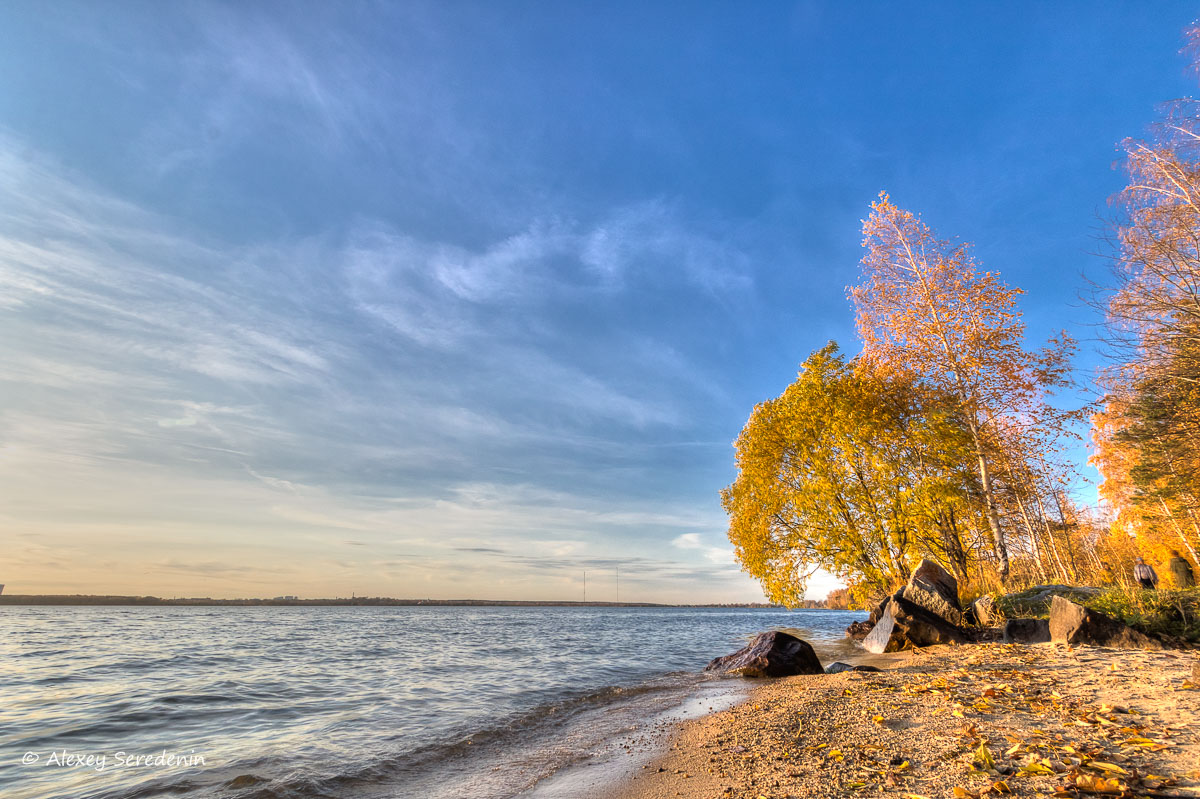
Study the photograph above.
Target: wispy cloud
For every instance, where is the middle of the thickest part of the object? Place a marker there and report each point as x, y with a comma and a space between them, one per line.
720, 555
239, 72
419, 393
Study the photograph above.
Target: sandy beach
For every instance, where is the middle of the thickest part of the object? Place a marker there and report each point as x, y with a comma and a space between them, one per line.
993, 719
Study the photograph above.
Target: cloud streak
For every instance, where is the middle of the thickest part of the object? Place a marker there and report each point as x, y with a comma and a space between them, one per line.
409, 390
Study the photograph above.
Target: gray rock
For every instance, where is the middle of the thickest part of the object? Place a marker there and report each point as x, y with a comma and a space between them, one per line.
985, 611
1074, 624
839, 667
906, 625
939, 579
1026, 631
885, 636
770, 654
930, 597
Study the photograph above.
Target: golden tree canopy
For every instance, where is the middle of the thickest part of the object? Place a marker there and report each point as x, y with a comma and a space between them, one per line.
847, 470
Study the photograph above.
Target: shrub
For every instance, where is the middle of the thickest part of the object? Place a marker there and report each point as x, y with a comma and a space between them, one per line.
1166, 612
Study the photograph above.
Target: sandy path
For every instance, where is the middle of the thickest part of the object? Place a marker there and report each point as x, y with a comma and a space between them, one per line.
951, 721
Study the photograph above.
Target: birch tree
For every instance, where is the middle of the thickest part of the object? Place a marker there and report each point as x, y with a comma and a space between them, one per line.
924, 307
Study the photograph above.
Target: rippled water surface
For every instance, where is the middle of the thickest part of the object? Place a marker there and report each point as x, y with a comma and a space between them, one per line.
255, 703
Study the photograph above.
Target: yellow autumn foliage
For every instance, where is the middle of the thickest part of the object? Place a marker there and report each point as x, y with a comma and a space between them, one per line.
851, 471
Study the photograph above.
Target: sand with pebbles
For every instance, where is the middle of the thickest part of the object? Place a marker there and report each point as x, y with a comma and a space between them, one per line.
993, 719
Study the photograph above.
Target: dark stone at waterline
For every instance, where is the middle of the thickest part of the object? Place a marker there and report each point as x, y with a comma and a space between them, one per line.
839, 667
1026, 631
905, 624
858, 630
770, 654
1074, 624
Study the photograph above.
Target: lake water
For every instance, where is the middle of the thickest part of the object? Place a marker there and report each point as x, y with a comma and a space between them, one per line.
347, 702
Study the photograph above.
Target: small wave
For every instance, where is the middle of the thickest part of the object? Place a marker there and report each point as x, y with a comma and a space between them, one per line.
195, 699
540, 723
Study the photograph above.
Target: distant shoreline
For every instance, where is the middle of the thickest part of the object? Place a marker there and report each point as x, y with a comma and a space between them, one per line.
115, 600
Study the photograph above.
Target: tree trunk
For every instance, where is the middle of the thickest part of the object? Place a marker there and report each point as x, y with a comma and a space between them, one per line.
1179, 530
1037, 550
989, 498
1062, 568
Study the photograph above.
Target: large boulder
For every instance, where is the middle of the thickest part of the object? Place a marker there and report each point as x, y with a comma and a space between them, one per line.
930, 597
905, 625
770, 654
935, 590
1074, 624
934, 577
1026, 631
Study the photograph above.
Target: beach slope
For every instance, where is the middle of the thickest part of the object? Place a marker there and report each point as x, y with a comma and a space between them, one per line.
1040, 720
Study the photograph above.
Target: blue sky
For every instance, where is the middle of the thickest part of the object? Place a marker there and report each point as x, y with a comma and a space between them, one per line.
449, 299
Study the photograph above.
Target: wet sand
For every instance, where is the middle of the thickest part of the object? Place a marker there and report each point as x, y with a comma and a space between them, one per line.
988, 720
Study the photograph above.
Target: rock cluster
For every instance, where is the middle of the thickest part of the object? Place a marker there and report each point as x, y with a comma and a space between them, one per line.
924, 612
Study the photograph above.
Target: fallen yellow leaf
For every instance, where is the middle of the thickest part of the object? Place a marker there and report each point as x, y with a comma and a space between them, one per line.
1087, 782
1035, 769
1108, 767
983, 759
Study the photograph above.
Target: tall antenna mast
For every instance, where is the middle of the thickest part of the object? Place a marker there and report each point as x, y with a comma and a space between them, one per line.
585, 585
618, 583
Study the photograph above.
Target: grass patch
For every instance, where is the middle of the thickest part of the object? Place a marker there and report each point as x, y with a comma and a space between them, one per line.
1166, 612
1034, 603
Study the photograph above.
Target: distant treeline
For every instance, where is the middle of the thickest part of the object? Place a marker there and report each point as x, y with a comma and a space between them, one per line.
85, 599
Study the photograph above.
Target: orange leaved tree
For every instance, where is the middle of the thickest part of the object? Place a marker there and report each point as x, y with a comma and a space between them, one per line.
924, 308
